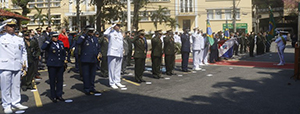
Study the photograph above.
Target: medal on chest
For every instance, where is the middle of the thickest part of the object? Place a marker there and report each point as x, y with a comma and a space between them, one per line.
54, 51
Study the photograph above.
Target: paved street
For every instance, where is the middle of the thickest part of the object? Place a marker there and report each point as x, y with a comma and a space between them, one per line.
217, 90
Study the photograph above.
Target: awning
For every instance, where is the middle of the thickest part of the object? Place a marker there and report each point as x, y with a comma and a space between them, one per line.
12, 15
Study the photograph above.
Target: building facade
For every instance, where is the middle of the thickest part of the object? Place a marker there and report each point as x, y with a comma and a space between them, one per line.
188, 13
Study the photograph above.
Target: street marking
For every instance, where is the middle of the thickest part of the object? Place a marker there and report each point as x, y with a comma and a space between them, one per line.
37, 97
131, 82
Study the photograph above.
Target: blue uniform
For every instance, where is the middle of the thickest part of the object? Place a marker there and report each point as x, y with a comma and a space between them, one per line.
55, 64
88, 58
185, 50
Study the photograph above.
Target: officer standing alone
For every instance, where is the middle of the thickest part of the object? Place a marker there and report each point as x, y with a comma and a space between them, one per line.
169, 50
115, 55
281, 42
185, 50
89, 53
156, 54
55, 63
13, 59
140, 51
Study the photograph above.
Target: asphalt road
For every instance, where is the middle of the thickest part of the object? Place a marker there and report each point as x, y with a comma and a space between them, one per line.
228, 90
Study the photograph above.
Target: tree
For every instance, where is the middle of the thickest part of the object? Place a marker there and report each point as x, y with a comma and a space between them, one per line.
40, 16
138, 4
264, 4
23, 5
159, 16
172, 23
108, 11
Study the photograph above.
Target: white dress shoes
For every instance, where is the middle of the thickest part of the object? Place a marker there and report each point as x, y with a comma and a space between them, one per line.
114, 86
120, 85
8, 110
19, 106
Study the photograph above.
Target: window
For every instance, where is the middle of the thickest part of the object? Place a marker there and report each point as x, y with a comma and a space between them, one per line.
39, 0
31, 22
56, 4
31, 5
218, 14
186, 6
40, 5
210, 14
144, 19
191, 5
228, 14
181, 5
237, 14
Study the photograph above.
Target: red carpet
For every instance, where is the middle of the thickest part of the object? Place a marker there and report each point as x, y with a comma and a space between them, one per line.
249, 64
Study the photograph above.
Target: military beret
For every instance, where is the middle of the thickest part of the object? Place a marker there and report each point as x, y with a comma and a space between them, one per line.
10, 21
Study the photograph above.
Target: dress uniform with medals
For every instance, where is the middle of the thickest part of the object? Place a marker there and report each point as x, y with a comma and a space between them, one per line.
88, 58
198, 49
156, 54
185, 50
33, 53
103, 41
115, 55
140, 51
169, 50
13, 59
55, 63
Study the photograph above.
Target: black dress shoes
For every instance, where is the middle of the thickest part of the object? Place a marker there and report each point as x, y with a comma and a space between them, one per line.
138, 81
186, 70
54, 100
143, 80
60, 99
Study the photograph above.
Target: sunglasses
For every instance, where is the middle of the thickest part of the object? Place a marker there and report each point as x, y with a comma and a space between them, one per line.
11, 25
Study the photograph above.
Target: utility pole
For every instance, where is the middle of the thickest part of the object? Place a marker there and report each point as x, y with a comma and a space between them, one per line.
77, 14
128, 15
49, 16
298, 23
234, 17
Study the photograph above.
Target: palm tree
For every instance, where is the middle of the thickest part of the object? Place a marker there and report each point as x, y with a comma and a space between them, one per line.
159, 16
172, 23
41, 17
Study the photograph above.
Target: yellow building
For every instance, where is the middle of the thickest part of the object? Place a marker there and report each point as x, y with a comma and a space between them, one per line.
188, 13
194, 13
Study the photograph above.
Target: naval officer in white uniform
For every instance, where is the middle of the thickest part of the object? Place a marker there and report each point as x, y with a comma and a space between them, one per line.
115, 55
281, 42
13, 59
197, 48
